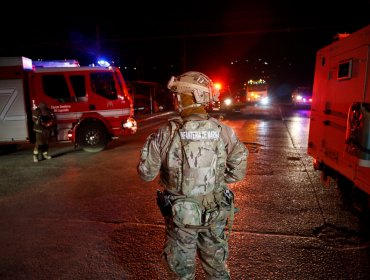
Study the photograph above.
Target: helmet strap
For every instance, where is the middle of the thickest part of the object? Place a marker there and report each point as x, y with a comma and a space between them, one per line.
191, 106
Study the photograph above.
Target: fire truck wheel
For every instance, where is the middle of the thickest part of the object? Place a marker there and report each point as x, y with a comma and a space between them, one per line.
92, 137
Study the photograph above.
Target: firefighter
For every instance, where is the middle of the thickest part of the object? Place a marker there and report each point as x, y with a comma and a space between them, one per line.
43, 121
196, 156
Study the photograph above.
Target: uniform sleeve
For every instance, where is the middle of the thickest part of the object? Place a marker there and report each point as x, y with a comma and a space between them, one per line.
150, 158
35, 116
236, 163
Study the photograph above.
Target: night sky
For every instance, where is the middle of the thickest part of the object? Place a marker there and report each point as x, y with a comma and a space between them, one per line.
231, 41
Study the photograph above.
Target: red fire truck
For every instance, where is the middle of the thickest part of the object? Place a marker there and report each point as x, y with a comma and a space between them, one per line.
91, 104
339, 132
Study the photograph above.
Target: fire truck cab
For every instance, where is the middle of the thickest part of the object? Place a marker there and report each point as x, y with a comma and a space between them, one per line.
91, 104
339, 131
257, 92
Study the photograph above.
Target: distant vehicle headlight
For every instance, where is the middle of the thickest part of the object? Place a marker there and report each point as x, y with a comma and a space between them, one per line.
265, 101
228, 101
299, 97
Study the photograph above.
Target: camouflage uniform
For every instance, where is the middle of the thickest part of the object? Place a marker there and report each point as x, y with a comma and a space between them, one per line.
43, 121
199, 215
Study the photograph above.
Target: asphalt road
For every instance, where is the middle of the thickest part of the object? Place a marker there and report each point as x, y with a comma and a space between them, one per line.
88, 215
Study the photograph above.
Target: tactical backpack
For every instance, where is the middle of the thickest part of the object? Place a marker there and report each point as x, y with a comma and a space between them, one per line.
196, 162
196, 157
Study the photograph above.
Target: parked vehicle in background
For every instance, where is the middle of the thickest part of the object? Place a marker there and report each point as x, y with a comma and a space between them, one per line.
92, 104
150, 97
213, 106
227, 100
339, 132
302, 96
257, 92
233, 102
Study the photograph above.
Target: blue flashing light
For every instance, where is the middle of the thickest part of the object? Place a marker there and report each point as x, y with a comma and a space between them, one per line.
103, 63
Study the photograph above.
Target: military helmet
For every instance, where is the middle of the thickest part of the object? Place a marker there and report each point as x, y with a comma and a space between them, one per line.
195, 83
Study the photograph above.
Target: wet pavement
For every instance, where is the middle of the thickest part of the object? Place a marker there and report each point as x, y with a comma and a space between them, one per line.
88, 216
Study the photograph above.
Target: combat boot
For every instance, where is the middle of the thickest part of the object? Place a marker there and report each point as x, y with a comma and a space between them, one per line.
35, 157
45, 155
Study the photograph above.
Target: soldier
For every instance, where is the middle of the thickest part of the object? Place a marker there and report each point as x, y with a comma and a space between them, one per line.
43, 121
196, 156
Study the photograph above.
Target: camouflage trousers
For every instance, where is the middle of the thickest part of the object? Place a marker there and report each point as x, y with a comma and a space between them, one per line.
183, 244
